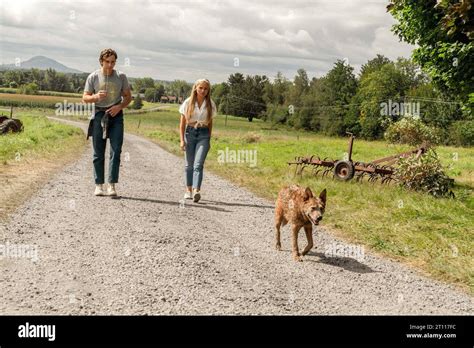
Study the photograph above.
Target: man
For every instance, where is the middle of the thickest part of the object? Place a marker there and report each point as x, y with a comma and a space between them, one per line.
110, 91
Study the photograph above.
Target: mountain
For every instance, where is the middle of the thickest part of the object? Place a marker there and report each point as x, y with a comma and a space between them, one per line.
40, 62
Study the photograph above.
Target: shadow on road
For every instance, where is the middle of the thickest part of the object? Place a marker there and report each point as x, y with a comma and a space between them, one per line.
238, 204
188, 204
206, 204
348, 263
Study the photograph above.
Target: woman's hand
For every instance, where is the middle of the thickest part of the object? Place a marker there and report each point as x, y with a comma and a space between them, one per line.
182, 145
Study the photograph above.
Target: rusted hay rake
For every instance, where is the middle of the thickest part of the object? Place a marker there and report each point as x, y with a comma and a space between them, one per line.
9, 124
382, 169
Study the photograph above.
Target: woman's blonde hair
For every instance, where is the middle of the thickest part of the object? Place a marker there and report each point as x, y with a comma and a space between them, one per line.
193, 99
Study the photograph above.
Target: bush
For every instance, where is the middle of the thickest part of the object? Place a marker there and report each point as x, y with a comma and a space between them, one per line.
251, 138
412, 131
30, 88
276, 114
137, 102
425, 174
461, 133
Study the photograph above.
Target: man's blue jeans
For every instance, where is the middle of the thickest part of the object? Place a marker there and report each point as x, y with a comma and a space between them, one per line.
116, 141
197, 147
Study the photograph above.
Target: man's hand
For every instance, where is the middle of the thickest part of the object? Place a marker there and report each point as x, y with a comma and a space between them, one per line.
182, 146
114, 110
101, 95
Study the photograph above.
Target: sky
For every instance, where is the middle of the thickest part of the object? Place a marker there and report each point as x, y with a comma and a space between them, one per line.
192, 39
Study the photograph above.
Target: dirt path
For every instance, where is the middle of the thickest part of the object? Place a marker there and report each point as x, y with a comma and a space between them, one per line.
146, 253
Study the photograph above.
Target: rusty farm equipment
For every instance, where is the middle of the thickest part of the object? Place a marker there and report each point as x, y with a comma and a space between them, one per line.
10, 124
346, 169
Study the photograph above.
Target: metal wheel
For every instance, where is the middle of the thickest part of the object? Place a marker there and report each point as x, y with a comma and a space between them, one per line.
344, 170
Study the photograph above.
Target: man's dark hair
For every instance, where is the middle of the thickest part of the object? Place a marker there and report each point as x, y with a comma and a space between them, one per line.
107, 53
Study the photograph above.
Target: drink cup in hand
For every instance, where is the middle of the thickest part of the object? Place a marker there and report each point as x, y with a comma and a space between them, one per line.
102, 94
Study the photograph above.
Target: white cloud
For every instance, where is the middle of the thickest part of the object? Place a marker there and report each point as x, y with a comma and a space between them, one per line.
187, 39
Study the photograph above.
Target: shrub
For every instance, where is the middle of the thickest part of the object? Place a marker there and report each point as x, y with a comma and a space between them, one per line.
461, 133
412, 131
137, 102
30, 88
251, 138
425, 174
276, 114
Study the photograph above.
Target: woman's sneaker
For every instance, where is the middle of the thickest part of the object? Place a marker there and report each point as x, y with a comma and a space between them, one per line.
99, 190
196, 196
111, 190
188, 195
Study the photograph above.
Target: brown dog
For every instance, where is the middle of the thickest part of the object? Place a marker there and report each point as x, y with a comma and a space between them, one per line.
300, 208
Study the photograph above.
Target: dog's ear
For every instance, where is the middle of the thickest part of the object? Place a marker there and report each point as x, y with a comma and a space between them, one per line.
322, 196
307, 194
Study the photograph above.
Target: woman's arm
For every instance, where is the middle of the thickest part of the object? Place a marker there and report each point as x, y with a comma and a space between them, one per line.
182, 127
210, 127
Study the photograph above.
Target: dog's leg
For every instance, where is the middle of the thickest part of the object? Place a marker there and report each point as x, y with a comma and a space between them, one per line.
278, 222
277, 234
308, 229
294, 242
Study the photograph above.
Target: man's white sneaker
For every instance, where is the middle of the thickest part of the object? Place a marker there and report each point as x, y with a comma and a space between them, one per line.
196, 196
111, 190
188, 195
99, 190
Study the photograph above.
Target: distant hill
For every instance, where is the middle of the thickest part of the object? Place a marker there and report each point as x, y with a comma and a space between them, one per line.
40, 62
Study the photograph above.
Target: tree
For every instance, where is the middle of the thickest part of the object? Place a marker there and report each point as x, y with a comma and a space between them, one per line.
387, 85
153, 95
325, 106
276, 93
372, 65
219, 94
243, 96
137, 103
443, 30
141, 84
299, 88
432, 112
180, 88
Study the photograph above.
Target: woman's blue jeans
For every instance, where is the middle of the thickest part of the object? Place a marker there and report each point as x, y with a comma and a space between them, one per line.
116, 140
197, 146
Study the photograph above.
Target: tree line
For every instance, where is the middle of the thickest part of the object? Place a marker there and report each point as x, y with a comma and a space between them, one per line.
31, 81
338, 102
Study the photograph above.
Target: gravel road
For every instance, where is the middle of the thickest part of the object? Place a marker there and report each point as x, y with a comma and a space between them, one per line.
147, 253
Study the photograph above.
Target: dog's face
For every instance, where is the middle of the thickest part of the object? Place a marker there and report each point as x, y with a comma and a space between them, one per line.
313, 207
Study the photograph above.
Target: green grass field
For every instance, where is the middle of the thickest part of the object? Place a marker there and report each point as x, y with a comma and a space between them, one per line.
41, 138
434, 235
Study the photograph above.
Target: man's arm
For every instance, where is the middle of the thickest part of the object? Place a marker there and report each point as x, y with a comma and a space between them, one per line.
89, 97
127, 98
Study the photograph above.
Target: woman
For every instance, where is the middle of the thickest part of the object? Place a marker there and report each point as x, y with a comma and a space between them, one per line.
195, 131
